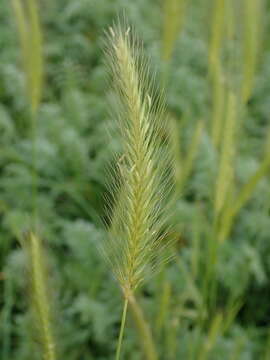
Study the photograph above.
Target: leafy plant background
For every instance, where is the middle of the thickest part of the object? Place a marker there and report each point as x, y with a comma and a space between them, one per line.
73, 153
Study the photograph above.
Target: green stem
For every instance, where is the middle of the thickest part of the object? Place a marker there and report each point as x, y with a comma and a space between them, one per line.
121, 333
34, 168
144, 330
210, 285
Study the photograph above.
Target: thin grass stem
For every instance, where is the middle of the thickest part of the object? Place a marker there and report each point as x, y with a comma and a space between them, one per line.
122, 328
143, 330
40, 300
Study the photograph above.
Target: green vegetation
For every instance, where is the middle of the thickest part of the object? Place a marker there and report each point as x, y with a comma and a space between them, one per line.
204, 150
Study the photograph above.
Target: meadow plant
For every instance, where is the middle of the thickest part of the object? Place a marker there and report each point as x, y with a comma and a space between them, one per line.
41, 308
252, 33
137, 238
225, 173
217, 32
30, 35
29, 31
218, 108
174, 16
244, 194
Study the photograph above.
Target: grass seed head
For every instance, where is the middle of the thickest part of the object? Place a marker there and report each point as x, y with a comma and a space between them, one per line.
137, 233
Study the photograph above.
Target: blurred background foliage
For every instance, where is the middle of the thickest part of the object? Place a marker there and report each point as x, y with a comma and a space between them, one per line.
212, 301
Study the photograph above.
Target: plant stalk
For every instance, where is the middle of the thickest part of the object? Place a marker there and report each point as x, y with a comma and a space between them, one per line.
122, 328
143, 330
